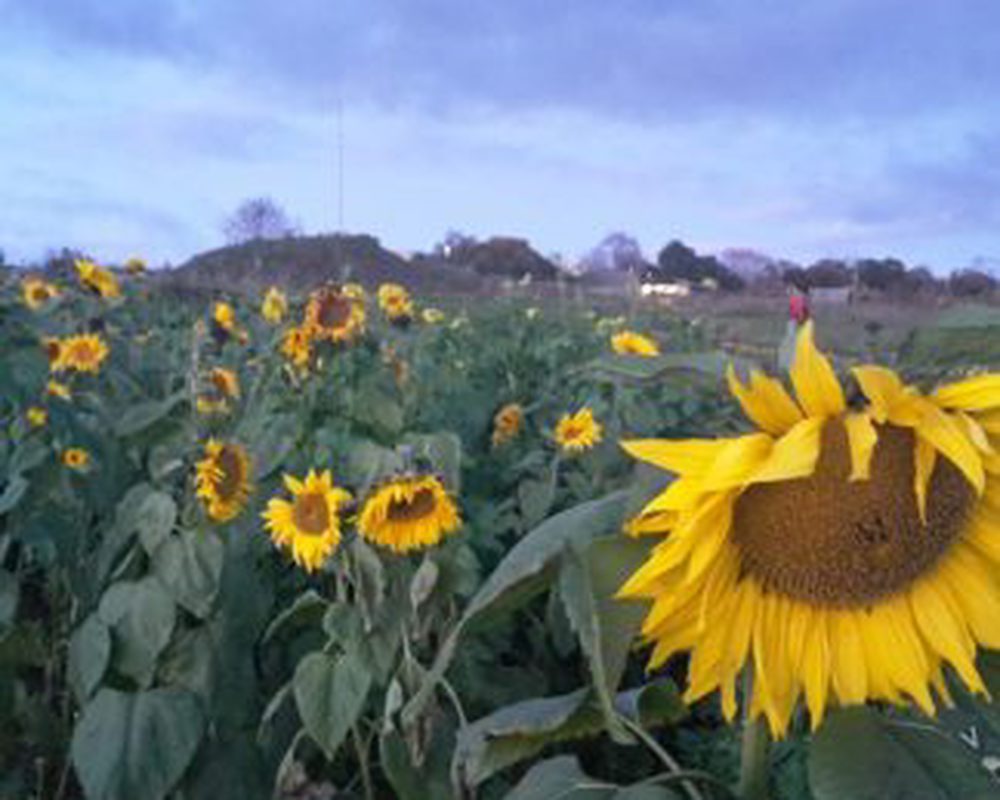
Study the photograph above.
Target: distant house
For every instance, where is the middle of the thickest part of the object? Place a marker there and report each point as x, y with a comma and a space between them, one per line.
839, 296
676, 289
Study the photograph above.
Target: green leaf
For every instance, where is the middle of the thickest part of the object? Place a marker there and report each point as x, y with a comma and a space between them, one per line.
139, 416
272, 444
330, 693
588, 580
10, 592
13, 492
129, 746
308, 609
712, 364
859, 755
154, 517
562, 778
141, 617
89, 653
442, 451
536, 495
189, 565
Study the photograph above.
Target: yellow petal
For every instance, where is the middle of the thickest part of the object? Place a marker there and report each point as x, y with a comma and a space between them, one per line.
765, 402
816, 385
976, 432
794, 455
973, 394
816, 669
990, 422
683, 456
942, 431
849, 668
861, 437
923, 468
681, 494
942, 625
737, 461
882, 387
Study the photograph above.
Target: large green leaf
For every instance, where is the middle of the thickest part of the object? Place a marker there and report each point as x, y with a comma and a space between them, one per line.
129, 746
189, 565
562, 778
89, 653
860, 755
590, 576
330, 692
13, 492
139, 416
141, 617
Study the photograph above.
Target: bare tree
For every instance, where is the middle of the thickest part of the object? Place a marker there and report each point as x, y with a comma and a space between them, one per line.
257, 218
617, 252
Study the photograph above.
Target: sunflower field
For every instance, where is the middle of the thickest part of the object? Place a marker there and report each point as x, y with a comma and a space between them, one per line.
355, 545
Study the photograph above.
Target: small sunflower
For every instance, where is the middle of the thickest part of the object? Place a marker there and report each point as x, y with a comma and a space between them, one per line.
634, 344
37, 292
308, 524
84, 352
76, 458
275, 305
432, 316
578, 432
224, 318
334, 316
407, 513
223, 479
296, 346
37, 416
57, 389
225, 382
507, 424
98, 279
846, 553
135, 266
395, 302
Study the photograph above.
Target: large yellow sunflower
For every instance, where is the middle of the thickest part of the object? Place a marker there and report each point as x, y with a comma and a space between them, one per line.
84, 352
309, 523
844, 553
223, 479
578, 432
333, 315
36, 292
409, 512
635, 344
97, 279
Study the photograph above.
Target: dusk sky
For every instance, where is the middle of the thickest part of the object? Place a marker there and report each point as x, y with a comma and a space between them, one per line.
802, 129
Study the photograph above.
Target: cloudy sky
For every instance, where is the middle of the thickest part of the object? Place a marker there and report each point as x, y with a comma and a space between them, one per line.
804, 129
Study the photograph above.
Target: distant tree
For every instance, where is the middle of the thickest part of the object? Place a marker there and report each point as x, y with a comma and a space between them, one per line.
794, 275
3, 258
918, 281
257, 218
971, 283
677, 261
455, 247
618, 252
829, 274
882, 274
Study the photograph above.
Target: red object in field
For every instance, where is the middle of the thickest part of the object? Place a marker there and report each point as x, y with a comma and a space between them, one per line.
798, 307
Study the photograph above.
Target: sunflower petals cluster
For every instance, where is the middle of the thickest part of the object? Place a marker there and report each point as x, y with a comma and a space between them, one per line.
396, 304
97, 279
408, 512
634, 344
37, 292
507, 424
84, 352
223, 479
840, 553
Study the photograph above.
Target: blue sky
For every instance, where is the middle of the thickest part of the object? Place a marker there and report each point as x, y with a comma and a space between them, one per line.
808, 129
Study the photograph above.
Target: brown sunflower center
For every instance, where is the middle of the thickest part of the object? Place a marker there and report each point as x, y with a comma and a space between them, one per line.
311, 513
420, 505
231, 467
84, 352
334, 310
834, 542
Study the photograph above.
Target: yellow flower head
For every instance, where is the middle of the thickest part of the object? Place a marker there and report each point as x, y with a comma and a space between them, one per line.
635, 344
308, 524
225, 382
84, 352
334, 316
354, 290
275, 305
847, 553
76, 458
409, 512
578, 432
224, 317
97, 279
37, 292
210, 405
57, 389
432, 316
395, 302
222, 478
297, 346
507, 424
37, 416
135, 266
53, 349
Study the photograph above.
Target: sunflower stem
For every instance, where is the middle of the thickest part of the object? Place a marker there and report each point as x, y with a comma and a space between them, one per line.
755, 750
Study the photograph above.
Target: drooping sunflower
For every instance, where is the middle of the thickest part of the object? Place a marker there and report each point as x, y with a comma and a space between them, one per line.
36, 292
76, 458
578, 432
225, 382
334, 316
395, 302
296, 346
223, 479
223, 320
845, 552
97, 279
308, 524
635, 344
57, 389
84, 352
275, 305
507, 424
409, 512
